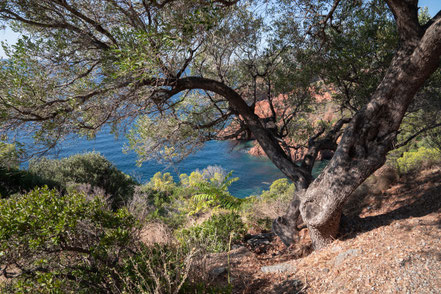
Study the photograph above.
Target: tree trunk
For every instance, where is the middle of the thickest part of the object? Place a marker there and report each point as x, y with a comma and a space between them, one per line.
366, 141
326, 234
369, 137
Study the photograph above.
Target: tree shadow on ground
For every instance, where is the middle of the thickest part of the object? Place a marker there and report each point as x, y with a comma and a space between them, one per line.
420, 201
289, 286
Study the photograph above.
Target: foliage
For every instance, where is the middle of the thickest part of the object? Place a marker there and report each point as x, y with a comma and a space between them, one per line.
9, 155
89, 168
162, 182
259, 211
420, 158
13, 181
280, 188
356, 59
68, 244
161, 269
257, 52
200, 192
215, 234
148, 204
193, 71
61, 242
214, 194
434, 138
151, 41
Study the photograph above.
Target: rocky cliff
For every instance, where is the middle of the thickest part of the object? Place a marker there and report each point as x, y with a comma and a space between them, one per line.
263, 110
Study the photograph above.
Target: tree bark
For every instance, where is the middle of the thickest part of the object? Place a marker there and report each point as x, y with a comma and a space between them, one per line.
369, 136
365, 143
266, 139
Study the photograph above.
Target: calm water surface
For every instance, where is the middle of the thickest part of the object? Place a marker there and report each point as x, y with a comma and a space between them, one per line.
255, 174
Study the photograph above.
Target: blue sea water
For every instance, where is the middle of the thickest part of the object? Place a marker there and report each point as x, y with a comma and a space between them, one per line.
255, 174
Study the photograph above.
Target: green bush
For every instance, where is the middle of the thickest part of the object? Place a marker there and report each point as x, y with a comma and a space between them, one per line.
213, 194
162, 183
9, 155
68, 244
148, 205
423, 157
201, 192
259, 211
280, 188
13, 181
63, 241
89, 168
215, 234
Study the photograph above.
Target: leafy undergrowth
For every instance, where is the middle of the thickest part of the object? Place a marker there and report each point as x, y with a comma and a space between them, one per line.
191, 236
393, 246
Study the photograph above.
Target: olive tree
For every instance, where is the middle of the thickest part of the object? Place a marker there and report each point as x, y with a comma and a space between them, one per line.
191, 71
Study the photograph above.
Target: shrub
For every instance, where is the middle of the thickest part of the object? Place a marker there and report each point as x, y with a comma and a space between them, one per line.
148, 204
259, 211
280, 188
434, 138
213, 194
9, 155
68, 244
163, 199
13, 181
159, 269
63, 238
423, 157
214, 234
89, 168
214, 173
162, 182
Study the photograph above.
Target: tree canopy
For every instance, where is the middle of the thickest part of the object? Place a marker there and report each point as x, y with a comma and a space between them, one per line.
79, 66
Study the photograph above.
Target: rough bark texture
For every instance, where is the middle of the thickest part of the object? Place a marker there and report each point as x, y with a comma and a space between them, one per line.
286, 226
371, 133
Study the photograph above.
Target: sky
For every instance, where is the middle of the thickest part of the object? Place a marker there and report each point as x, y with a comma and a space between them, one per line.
10, 37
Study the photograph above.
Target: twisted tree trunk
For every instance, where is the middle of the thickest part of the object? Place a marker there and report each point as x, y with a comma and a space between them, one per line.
368, 138
371, 133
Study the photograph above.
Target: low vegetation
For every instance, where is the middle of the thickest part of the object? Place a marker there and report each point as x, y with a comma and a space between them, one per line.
82, 228
413, 160
89, 170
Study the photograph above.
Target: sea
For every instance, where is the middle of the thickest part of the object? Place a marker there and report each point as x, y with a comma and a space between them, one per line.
255, 173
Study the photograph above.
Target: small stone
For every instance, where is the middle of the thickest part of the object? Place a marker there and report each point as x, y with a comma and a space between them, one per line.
344, 255
336, 248
218, 271
285, 267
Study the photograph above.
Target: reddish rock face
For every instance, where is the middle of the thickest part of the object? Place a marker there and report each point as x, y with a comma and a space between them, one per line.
296, 155
263, 110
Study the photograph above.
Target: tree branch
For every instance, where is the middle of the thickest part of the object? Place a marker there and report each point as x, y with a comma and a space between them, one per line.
406, 17
416, 135
56, 25
265, 138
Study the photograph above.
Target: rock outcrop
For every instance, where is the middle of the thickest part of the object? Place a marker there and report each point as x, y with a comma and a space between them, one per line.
263, 110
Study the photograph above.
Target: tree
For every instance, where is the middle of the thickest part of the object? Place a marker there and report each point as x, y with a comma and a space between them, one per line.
83, 64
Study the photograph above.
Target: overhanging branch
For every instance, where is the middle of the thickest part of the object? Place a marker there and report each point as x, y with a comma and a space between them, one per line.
409, 139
